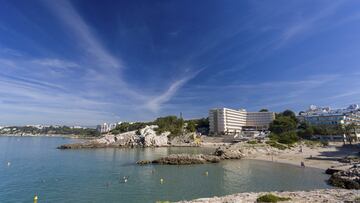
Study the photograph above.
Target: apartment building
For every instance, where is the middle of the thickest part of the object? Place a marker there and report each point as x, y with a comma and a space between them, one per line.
230, 121
327, 116
104, 128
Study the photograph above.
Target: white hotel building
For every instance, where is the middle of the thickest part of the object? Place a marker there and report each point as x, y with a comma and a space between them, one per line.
230, 121
327, 116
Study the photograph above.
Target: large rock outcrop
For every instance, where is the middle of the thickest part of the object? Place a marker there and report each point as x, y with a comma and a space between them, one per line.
149, 137
145, 137
348, 179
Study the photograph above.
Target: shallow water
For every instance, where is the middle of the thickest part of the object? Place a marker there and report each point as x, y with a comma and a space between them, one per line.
95, 175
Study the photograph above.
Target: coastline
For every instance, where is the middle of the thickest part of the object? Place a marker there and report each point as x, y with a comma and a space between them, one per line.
72, 136
312, 156
322, 157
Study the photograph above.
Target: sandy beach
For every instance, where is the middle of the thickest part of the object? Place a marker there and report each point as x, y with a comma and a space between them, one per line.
316, 156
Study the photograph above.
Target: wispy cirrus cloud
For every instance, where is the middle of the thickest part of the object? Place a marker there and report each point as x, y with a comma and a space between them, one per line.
56, 63
71, 18
86, 39
155, 103
306, 25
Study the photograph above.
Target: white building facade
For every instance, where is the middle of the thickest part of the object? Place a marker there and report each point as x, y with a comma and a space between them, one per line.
326, 116
104, 128
230, 121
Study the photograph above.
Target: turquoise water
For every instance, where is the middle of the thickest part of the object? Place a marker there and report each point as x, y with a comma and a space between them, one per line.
95, 175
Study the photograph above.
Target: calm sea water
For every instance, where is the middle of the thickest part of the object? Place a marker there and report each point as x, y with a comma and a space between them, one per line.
95, 175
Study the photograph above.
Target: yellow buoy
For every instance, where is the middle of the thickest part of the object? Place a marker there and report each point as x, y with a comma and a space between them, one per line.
35, 199
161, 181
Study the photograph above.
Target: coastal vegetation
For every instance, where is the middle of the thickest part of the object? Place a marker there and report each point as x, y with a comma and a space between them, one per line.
50, 130
176, 126
277, 145
283, 129
287, 129
272, 198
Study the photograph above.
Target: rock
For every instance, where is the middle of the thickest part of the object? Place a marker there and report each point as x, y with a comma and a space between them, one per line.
187, 159
331, 171
228, 153
89, 144
350, 159
348, 179
149, 137
143, 162
322, 195
146, 138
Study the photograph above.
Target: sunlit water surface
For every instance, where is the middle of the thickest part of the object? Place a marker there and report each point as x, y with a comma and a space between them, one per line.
96, 175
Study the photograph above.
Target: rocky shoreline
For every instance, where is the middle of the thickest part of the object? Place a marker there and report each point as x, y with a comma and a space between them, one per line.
349, 179
183, 159
145, 137
220, 153
322, 195
345, 177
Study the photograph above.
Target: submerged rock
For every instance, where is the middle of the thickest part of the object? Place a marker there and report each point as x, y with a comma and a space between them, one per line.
83, 145
144, 162
348, 179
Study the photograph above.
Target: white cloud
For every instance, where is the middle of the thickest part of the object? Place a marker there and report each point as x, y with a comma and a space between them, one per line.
69, 16
65, 11
155, 103
56, 63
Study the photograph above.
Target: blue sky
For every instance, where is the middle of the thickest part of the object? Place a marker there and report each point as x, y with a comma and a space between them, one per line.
87, 62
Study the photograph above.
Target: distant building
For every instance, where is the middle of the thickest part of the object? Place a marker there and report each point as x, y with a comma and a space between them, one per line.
230, 121
326, 116
104, 128
78, 127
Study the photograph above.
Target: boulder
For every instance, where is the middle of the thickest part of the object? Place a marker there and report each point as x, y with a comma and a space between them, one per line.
228, 153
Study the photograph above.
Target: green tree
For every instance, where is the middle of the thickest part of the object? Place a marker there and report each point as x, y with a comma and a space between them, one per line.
350, 130
282, 124
289, 113
170, 123
191, 126
264, 110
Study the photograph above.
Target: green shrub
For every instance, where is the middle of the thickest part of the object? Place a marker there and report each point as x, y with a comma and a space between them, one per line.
170, 123
274, 144
271, 198
312, 143
283, 124
252, 142
288, 137
126, 127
